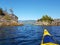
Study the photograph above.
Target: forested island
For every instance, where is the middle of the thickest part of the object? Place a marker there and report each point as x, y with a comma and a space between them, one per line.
48, 21
8, 19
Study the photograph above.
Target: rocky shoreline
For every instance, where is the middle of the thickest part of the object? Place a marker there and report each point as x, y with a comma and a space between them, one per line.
7, 19
54, 23
11, 24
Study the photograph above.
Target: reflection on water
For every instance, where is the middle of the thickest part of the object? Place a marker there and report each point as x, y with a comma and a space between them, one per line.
26, 35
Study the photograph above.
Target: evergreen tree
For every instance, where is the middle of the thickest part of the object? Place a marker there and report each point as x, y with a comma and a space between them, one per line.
46, 18
1, 11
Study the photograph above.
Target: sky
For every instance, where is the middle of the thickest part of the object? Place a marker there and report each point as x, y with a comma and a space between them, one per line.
32, 9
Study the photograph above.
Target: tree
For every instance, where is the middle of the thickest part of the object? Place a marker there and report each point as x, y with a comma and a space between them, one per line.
1, 11
11, 10
46, 18
38, 20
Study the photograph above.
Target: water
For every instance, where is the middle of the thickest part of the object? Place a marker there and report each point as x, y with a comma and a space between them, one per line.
26, 35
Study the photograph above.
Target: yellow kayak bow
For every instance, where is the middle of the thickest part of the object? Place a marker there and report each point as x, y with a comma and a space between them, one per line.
47, 39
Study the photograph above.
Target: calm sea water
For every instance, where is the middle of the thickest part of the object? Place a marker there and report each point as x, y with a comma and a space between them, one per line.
26, 35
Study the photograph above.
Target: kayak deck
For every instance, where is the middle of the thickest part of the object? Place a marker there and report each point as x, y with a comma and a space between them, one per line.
48, 39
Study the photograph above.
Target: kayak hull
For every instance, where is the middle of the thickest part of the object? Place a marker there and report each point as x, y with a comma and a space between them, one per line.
49, 44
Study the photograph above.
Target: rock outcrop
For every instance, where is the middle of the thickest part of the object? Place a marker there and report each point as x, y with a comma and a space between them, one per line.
7, 19
56, 22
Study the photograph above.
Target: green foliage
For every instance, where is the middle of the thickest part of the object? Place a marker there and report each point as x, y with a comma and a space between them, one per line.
1, 11
38, 20
7, 17
46, 18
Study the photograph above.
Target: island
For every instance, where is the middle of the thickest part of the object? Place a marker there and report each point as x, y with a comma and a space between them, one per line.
8, 19
47, 21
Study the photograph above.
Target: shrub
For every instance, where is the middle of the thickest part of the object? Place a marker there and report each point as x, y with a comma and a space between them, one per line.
7, 17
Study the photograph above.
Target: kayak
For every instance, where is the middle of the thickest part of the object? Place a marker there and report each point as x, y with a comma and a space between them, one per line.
48, 39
